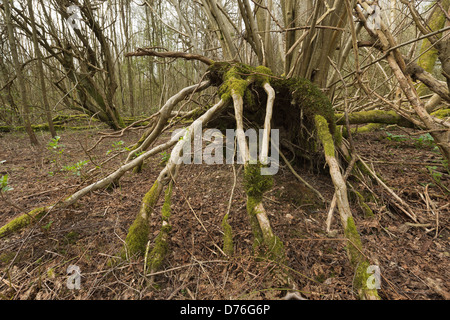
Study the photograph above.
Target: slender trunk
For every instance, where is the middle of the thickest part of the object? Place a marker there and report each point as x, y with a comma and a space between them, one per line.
127, 30
20, 78
38, 54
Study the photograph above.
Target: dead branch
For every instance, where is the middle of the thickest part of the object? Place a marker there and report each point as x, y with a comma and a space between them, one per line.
169, 54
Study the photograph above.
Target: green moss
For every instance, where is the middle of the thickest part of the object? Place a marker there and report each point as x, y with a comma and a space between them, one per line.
228, 246
308, 97
275, 250
324, 135
216, 72
337, 137
354, 246
35, 127
156, 257
22, 221
233, 81
262, 75
441, 114
271, 248
166, 211
358, 261
249, 99
236, 77
428, 55
373, 116
254, 224
138, 168
159, 251
150, 198
256, 184
363, 205
137, 237
370, 127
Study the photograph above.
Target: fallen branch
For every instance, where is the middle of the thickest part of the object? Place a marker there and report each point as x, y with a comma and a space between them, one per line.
300, 178
165, 113
169, 54
354, 249
408, 210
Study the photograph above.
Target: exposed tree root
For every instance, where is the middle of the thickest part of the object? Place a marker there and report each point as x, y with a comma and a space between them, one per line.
23, 221
155, 257
354, 246
137, 237
164, 114
293, 105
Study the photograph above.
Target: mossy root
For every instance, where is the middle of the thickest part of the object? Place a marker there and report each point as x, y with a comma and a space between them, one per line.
160, 249
22, 221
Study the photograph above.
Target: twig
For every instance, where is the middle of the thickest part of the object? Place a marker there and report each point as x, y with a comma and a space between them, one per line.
43, 192
299, 177
195, 214
122, 131
431, 207
408, 210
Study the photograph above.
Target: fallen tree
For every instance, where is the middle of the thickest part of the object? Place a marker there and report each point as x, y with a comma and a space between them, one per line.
294, 106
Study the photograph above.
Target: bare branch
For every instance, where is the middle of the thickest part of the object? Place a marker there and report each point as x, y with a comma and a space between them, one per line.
169, 54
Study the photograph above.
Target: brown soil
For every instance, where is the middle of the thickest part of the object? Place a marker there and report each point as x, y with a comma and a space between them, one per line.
414, 261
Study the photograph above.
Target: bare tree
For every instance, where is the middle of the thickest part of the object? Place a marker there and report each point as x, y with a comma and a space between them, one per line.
20, 78
40, 70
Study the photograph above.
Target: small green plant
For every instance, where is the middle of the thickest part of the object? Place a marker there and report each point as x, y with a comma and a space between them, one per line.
57, 149
4, 187
117, 146
165, 156
436, 175
395, 137
76, 168
55, 146
47, 226
426, 140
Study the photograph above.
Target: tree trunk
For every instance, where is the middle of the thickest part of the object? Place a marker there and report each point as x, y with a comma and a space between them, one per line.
20, 78
38, 54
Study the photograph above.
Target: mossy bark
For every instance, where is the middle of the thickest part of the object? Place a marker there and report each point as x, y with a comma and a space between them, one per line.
362, 204
23, 221
374, 116
296, 103
265, 241
359, 262
160, 248
354, 248
137, 237
363, 129
441, 114
228, 245
428, 52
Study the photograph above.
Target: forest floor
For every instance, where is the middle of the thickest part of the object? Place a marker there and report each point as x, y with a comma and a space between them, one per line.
414, 261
